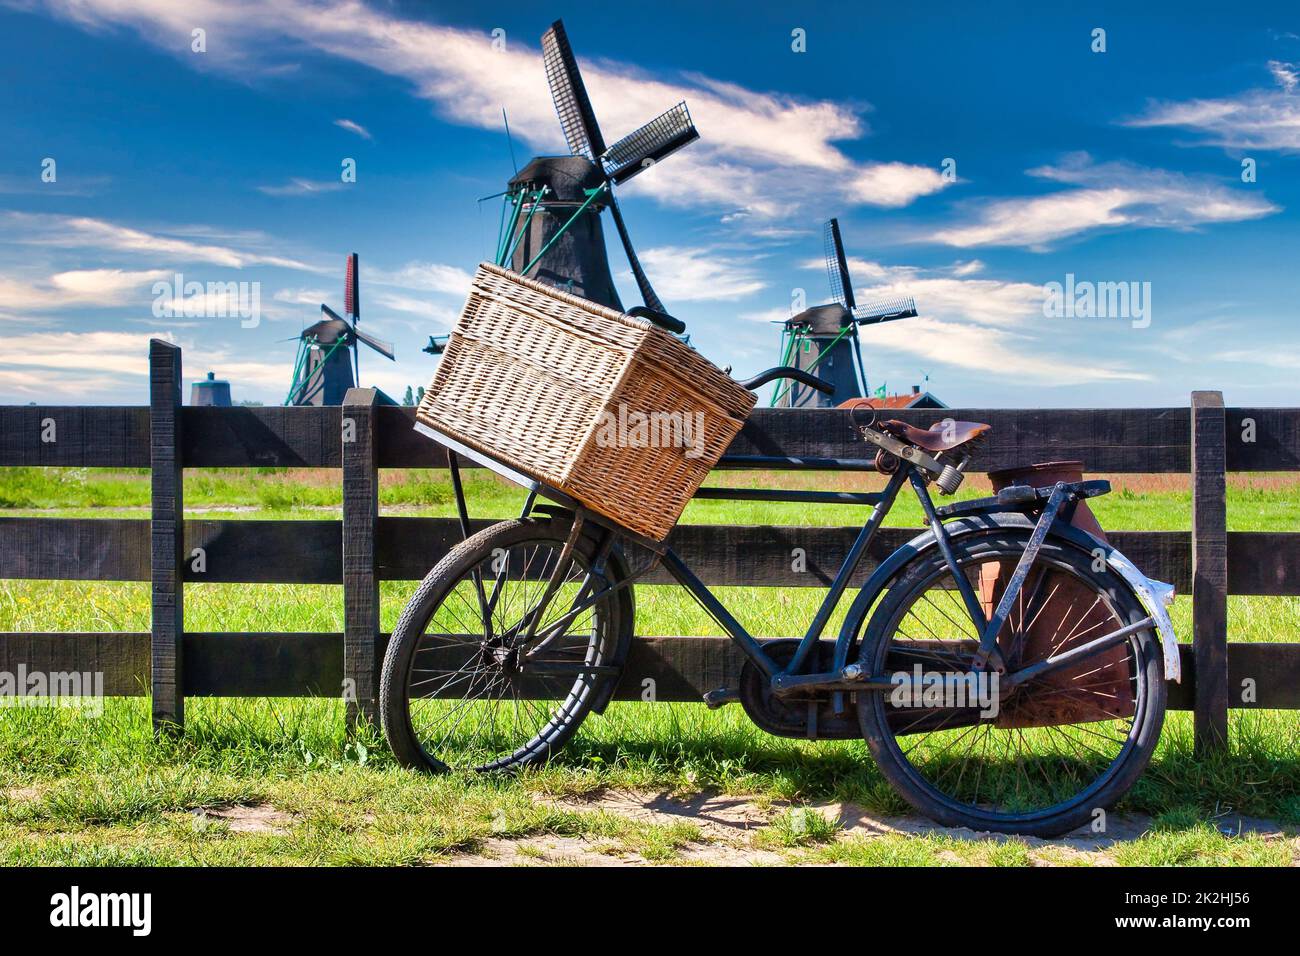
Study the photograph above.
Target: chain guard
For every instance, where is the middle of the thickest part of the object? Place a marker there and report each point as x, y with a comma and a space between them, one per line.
807, 717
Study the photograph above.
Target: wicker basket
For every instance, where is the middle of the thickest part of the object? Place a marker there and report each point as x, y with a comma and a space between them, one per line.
612, 411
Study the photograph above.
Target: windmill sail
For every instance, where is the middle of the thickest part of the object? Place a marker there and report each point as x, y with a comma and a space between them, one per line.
351, 291
570, 95
662, 136
379, 345
837, 266
885, 310
642, 281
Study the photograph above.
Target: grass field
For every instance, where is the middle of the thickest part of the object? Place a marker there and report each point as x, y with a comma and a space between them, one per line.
278, 781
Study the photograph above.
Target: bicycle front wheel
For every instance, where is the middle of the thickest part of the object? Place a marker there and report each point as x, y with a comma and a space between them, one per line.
486, 670
1044, 757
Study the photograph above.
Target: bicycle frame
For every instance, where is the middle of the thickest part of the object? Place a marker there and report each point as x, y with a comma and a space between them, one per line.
793, 677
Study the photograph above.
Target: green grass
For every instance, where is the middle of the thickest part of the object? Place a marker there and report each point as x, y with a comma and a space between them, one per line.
1138, 503
88, 791
104, 791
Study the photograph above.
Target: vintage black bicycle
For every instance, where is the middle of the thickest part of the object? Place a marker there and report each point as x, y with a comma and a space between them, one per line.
1006, 669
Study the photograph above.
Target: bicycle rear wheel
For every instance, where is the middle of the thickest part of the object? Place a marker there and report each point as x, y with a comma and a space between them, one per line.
475, 678
1039, 759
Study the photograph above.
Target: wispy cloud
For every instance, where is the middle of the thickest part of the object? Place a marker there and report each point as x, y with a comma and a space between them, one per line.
82, 288
302, 187
700, 274
991, 327
353, 127
82, 232
1107, 196
764, 152
1260, 118
427, 277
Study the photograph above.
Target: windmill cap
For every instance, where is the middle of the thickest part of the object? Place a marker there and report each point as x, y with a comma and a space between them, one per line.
567, 176
821, 319
210, 382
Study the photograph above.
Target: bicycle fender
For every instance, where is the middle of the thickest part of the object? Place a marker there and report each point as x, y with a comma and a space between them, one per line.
1153, 595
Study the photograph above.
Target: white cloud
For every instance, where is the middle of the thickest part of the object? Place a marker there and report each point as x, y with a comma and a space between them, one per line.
352, 127
299, 296
302, 187
426, 276
422, 308
765, 152
82, 232
1255, 119
990, 352
1272, 358
1109, 195
698, 274
993, 327
97, 288
123, 353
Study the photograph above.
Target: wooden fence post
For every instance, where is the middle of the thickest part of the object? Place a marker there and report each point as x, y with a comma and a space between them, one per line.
167, 536
1210, 570
360, 581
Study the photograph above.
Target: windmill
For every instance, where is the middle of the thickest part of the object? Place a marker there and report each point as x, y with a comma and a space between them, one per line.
328, 361
824, 339
551, 224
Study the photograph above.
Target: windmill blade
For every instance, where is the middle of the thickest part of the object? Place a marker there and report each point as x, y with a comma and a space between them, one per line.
379, 345
837, 267
885, 310
352, 289
663, 135
570, 95
647, 293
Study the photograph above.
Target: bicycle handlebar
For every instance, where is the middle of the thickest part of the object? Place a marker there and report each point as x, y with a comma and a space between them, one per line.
796, 374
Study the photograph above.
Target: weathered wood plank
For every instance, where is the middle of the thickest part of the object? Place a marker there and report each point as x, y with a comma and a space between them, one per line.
1108, 440
74, 436
1209, 570
1263, 439
293, 437
167, 534
360, 442
75, 549
311, 552
310, 664
1263, 562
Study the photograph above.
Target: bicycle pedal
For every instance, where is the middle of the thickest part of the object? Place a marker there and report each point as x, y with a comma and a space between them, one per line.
721, 697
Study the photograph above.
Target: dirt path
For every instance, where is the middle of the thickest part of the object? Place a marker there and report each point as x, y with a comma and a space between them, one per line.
727, 828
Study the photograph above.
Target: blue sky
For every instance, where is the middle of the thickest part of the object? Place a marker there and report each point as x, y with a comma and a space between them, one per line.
1116, 166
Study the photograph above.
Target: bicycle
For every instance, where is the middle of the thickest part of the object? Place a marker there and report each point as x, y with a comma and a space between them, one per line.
1005, 669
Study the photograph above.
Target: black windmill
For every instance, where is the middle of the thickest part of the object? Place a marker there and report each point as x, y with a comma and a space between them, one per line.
824, 339
328, 361
551, 221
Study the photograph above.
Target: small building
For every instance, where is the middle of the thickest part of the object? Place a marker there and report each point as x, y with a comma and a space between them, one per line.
210, 391
913, 399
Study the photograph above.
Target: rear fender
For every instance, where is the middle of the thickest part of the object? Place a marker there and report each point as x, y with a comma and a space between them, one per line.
1154, 596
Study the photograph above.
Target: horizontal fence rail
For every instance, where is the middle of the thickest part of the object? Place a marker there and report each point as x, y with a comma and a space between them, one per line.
1204, 440
1108, 440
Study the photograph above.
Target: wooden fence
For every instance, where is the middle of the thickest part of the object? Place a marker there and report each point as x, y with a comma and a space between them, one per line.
1204, 440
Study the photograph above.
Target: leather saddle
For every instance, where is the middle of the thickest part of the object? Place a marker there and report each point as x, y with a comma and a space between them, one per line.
941, 436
